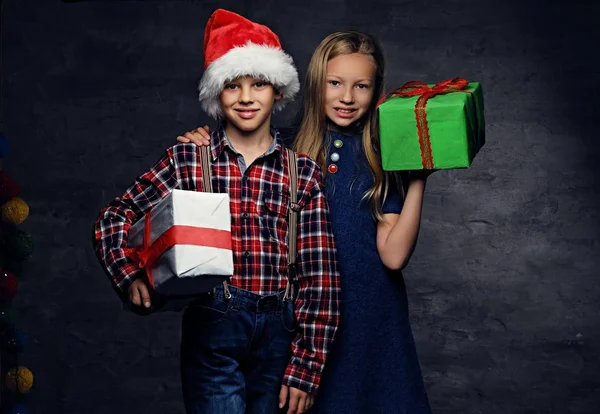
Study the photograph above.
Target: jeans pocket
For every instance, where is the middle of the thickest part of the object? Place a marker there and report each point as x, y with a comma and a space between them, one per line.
288, 317
209, 311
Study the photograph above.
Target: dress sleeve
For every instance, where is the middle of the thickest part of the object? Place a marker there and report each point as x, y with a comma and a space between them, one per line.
394, 200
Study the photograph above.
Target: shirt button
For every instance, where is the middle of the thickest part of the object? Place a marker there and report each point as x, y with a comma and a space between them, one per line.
245, 214
246, 253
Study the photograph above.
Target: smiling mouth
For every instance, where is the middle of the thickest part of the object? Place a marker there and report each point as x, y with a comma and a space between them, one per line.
345, 110
247, 113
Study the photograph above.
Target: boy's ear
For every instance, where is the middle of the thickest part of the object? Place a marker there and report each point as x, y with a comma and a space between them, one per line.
278, 94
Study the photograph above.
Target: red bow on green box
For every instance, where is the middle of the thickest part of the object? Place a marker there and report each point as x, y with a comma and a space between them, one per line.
425, 92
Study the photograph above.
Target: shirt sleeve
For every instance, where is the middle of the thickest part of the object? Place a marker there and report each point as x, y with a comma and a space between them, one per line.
112, 225
317, 306
394, 201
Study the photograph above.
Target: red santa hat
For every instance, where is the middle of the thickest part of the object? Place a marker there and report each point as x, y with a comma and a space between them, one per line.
234, 47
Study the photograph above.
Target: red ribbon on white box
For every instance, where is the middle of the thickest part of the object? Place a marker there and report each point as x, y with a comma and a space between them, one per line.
178, 234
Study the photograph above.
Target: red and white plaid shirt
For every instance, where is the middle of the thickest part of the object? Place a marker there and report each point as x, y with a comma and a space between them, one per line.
259, 210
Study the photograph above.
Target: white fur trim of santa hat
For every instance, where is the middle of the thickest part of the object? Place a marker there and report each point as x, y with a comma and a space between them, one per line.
263, 62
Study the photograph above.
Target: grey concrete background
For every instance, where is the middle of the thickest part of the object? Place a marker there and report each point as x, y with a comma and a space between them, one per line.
503, 285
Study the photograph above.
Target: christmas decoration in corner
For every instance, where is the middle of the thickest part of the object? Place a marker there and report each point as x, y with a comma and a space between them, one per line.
16, 246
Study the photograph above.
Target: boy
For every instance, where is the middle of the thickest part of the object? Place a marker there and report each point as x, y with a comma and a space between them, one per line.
235, 349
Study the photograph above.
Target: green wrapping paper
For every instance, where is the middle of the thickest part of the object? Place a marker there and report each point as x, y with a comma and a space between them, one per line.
437, 126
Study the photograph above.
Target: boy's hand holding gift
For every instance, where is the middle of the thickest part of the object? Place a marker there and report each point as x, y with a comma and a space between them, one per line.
139, 293
184, 244
431, 127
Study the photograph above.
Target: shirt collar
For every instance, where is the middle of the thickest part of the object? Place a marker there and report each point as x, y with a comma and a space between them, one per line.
219, 141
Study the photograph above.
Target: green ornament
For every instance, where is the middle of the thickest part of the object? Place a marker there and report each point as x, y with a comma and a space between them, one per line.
338, 143
20, 245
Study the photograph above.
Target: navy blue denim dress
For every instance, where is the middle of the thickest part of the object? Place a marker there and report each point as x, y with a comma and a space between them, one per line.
373, 366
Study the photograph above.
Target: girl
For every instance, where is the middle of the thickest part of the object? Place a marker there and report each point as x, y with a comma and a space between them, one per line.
373, 366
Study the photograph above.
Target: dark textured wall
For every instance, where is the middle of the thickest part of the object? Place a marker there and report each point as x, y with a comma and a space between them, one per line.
503, 284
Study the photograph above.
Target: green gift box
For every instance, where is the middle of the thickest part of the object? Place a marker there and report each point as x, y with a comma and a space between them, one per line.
437, 126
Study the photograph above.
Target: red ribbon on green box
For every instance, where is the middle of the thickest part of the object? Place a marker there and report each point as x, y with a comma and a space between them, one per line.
425, 92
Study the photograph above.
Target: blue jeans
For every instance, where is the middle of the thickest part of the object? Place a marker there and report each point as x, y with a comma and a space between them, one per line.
234, 352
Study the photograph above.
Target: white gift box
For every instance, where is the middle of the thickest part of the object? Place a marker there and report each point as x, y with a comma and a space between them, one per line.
188, 250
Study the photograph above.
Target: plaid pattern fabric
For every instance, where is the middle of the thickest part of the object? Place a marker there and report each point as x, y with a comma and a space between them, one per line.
259, 209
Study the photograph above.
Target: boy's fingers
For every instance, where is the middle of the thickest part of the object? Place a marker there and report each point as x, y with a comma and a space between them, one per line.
302, 404
206, 128
293, 406
309, 402
134, 295
296, 401
283, 395
183, 139
145, 295
304, 407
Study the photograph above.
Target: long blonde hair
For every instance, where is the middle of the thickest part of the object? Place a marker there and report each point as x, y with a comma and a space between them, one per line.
310, 139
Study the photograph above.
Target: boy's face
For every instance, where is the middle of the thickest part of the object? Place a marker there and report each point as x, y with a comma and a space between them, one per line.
247, 102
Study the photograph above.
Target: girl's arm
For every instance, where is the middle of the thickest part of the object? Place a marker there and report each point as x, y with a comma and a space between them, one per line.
397, 233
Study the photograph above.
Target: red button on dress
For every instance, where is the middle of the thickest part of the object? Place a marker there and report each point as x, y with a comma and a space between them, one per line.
332, 168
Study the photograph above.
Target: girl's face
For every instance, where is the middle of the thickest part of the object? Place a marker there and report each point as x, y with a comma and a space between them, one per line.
349, 91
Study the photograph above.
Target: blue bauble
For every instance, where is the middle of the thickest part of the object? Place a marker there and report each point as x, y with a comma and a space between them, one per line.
14, 340
3, 145
18, 408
